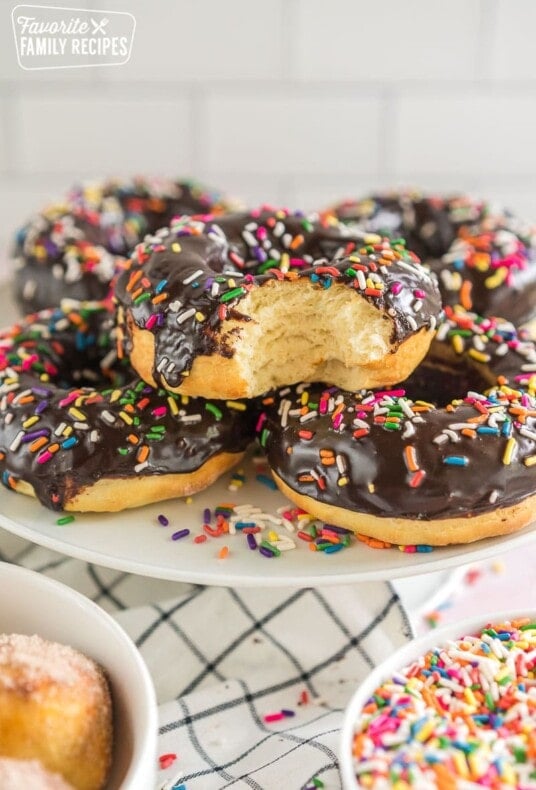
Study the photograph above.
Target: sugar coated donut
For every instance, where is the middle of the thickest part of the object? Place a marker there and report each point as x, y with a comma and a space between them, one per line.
81, 432
231, 306
55, 707
462, 715
21, 774
70, 250
392, 465
484, 257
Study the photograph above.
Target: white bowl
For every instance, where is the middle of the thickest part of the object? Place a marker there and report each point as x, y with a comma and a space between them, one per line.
33, 604
397, 661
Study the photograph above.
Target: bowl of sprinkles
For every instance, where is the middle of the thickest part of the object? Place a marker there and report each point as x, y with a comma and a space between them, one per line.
453, 710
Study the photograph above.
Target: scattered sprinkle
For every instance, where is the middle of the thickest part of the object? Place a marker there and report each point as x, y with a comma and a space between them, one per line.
180, 534
61, 522
166, 760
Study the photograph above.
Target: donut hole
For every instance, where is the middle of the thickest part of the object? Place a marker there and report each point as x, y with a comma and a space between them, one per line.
77, 357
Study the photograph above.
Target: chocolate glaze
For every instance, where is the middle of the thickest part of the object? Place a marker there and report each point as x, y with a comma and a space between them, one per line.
373, 476
232, 254
72, 249
446, 232
116, 415
429, 223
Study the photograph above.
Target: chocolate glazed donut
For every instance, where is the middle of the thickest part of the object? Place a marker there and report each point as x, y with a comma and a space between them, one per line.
429, 223
396, 467
71, 249
484, 257
80, 431
232, 306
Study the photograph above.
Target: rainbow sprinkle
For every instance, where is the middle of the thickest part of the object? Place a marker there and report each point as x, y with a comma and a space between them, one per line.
461, 716
69, 401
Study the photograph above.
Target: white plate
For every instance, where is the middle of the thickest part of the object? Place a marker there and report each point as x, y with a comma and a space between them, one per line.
32, 604
133, 541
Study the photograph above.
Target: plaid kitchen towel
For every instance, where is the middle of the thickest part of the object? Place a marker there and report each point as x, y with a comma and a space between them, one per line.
251, 683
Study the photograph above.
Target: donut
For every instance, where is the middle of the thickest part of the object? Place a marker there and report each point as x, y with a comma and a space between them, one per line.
80, 431
19, 774
71, 249
231, 306
422, 463
461, 715
55, 707
492, 273
429, 223
484, 257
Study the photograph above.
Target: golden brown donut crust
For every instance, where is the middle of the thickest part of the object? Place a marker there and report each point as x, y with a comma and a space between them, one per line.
434, 532
111, 494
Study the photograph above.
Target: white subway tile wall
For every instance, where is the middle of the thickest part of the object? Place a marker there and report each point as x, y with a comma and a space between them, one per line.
385, 40
290, 133
189, 40
512, 55
74, 134
292, 101
466, 131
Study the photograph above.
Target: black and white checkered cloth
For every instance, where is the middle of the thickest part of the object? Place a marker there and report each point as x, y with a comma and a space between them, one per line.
223, 659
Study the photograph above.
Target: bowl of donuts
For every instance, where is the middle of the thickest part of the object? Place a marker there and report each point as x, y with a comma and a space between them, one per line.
77, 705
455, 708
375, 350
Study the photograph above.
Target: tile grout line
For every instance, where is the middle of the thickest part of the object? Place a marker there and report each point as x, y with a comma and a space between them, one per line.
245, 88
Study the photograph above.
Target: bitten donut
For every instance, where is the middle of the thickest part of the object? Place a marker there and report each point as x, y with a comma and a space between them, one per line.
71, 249
396, 466
231, 306
484, 257
55, 707
81, 432
21, 774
